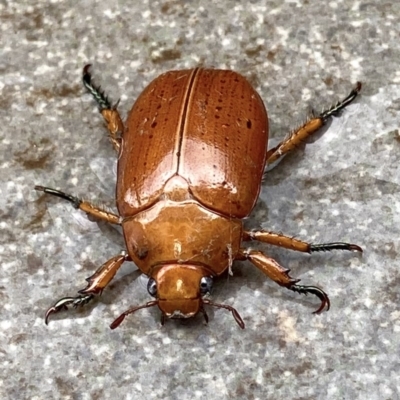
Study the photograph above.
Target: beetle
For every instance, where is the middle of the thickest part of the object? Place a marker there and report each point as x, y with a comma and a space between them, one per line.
191, 158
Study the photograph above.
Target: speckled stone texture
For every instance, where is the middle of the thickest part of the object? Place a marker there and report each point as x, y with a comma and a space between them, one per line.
343, 185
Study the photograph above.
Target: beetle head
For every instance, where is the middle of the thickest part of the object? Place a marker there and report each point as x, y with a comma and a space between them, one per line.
179, 291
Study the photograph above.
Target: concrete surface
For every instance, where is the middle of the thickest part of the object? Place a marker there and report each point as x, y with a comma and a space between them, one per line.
344, 185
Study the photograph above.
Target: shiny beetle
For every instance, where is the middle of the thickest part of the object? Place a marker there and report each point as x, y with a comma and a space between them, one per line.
191, 157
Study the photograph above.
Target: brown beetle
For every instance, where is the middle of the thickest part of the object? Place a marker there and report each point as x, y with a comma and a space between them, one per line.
192, 155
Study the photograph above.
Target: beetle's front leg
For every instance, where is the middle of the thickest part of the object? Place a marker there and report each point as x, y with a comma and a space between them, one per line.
63, 304
310, 127
83, 205
281, 276
110, 113
96, 284
277, 239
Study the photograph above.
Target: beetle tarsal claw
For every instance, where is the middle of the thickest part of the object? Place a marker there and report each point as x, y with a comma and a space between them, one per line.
63, 304
316, 291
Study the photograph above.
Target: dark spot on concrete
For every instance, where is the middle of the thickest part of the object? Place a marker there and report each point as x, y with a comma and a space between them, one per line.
254, 51
390, 140
271, 55
19, 338
328, 81
88, 265
64, 387
166, 55
33, 262
61, 91
36, 156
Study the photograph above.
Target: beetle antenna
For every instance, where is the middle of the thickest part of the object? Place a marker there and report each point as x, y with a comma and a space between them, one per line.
234, 312
116, 323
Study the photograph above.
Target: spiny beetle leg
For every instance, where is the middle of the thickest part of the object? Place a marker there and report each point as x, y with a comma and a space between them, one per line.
98, 94
83, 205
311, 126
76, 202
103, 276
63, 304
110, 114
277, 239
339, 106
334, 246
281, 276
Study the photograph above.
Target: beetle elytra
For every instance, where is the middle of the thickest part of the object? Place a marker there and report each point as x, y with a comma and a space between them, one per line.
191, 157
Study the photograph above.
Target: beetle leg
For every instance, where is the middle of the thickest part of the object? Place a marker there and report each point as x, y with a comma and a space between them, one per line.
281, 276
96, 284
311, 126
103, 276
110, 113
277, 239
83, 205
63, 304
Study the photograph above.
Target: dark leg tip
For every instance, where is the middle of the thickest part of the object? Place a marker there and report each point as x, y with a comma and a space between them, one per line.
87, 76
96, 92
358, 87
334, 246
316, 291
50, 311
86, 69
354, 247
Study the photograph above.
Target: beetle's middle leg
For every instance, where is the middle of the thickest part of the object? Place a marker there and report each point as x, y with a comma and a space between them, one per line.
110, 113
83, 205
277, 239
96, 284
311, 126
281, 276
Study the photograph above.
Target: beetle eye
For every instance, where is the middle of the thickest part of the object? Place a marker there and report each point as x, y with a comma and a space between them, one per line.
205, 284
152, 287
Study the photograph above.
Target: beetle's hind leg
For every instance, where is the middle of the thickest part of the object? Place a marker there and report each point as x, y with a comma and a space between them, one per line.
277, 239
281, 276
96, 284
83, 205
109, 112
310, 127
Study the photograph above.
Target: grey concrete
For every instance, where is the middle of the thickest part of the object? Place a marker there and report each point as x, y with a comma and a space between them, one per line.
344, 185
